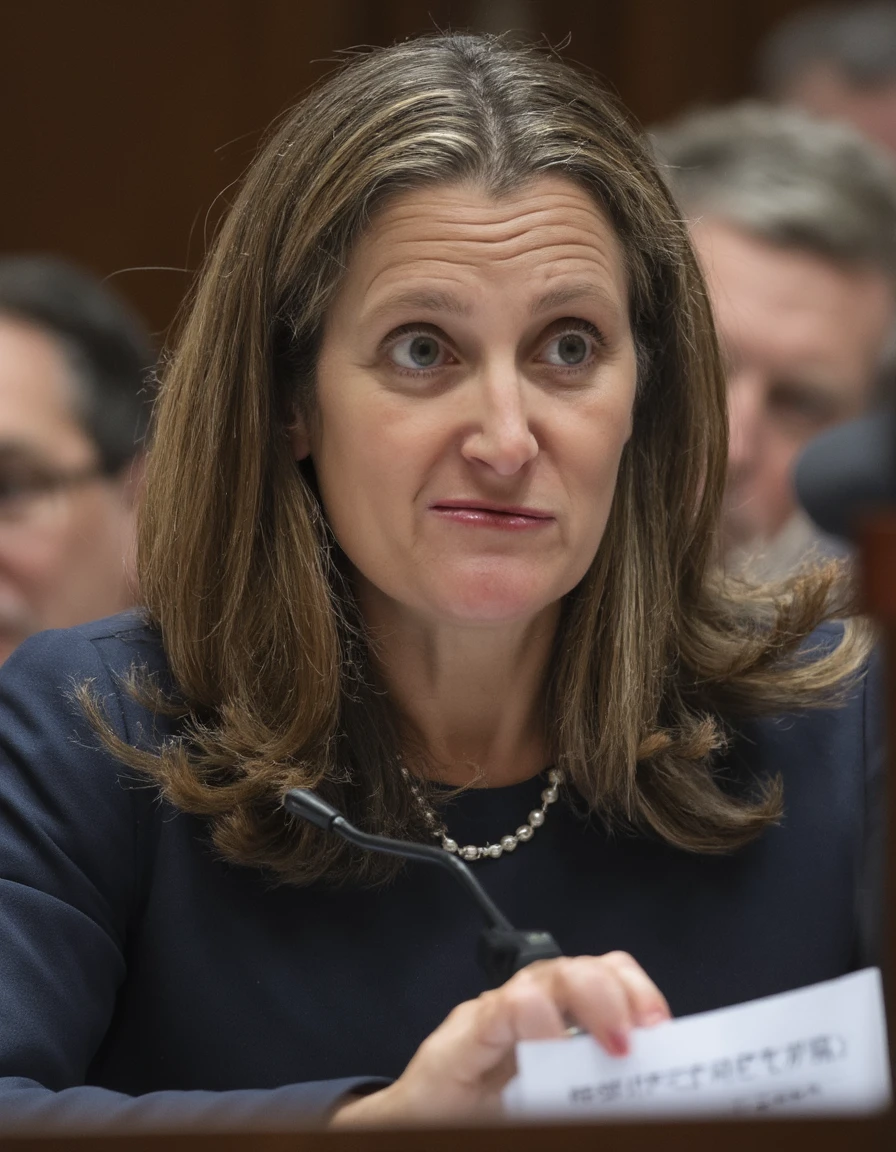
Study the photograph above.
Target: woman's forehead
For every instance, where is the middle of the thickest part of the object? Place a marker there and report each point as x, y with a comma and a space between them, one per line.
549, 230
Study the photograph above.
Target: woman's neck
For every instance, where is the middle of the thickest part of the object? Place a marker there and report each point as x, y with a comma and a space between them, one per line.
474, 694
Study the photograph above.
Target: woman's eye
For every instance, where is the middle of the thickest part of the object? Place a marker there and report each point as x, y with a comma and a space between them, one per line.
569, 350
418, 352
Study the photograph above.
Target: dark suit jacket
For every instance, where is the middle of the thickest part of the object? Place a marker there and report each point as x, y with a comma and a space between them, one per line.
144, 980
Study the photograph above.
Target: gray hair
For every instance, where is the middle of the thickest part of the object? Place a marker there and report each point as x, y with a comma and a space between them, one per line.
857, 40
786, 177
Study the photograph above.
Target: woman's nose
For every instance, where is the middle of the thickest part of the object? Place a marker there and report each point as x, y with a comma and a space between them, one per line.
501, 435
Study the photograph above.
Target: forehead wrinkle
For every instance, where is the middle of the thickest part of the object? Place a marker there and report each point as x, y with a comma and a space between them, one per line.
504, 219
478, 233
561, 259
431, 299
561, 236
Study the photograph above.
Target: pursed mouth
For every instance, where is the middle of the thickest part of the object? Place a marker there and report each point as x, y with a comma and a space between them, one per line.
514, 512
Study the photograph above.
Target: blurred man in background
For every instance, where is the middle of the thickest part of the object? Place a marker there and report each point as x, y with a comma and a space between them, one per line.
794, 222
74, 367
838, 61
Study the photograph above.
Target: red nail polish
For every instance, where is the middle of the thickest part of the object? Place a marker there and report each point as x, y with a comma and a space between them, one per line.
618, 1043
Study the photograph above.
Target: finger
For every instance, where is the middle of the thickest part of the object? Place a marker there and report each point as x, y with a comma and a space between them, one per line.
531, 1010
522, 1009
648, 1006
593, 995
485, 1031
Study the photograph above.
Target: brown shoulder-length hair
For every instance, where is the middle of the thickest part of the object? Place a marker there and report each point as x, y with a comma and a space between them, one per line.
237, 568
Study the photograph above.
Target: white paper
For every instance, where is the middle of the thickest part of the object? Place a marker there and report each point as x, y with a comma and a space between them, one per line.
819, 1049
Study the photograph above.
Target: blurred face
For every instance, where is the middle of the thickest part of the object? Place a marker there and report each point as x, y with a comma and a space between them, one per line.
803, 340
475, 389
824, 90
64, 530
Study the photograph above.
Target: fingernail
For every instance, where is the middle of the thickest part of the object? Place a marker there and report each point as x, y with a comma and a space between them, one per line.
618, 1043
655, 1017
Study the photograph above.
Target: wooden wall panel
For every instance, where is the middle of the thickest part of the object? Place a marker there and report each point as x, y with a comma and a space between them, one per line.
124, 124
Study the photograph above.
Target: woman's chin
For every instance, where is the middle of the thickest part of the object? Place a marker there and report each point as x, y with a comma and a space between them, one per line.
457, 596
493, 606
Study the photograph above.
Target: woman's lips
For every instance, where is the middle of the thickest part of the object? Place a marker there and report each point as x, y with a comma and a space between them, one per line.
481, 515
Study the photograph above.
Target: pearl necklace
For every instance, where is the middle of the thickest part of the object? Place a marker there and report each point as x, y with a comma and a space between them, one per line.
506, 843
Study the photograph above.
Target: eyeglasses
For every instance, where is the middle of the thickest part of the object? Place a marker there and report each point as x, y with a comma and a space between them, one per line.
29, 493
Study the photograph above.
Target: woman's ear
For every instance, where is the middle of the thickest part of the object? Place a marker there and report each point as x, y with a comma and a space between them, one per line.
299, 440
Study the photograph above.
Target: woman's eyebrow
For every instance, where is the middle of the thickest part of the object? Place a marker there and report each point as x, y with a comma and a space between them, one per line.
424, 299
438, 300
573, 294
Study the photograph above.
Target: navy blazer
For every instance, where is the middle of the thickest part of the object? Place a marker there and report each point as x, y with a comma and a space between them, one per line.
144, 980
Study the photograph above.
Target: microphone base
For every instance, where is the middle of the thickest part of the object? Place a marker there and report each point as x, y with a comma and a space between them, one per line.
504, 951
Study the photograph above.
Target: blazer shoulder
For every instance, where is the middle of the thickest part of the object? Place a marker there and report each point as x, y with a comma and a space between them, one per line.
831, 749
77, 824
102, 656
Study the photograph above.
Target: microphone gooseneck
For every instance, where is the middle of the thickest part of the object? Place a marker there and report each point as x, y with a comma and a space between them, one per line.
503, 949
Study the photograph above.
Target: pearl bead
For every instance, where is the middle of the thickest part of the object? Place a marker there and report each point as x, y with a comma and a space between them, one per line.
507, 843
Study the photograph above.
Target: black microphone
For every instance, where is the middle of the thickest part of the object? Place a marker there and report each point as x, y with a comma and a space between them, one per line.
848, 470
502, 950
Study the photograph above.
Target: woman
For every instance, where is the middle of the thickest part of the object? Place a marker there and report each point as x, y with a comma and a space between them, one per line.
427, 528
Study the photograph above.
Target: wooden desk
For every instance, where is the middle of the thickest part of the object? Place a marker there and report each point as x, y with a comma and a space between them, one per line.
872, 1135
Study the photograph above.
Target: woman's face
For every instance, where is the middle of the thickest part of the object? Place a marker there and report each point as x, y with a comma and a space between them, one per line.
474, 389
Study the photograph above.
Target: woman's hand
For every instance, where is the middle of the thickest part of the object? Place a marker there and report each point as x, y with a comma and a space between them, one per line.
460, 1070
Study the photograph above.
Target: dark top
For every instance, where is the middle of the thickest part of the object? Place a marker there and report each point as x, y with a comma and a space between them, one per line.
134, 963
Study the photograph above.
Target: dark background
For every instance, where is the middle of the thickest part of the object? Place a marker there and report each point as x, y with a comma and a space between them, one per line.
125, 122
